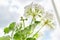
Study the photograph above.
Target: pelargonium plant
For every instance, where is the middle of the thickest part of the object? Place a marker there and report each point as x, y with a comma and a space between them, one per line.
19, 31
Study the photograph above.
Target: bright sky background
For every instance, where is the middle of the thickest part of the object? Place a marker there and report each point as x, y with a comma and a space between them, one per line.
11, 10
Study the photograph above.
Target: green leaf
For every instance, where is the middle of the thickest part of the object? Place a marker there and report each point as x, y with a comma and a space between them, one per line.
37, 22
5, 38
31, 39
19, 35
6, 30
12, 25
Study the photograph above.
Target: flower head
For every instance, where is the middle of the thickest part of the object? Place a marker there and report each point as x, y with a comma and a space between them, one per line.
48, 17
33, 10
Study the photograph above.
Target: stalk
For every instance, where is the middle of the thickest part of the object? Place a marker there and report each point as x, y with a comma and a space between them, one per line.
38, 30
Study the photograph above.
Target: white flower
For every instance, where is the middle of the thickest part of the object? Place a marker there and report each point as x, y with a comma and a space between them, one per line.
33, 10
48, 15
48, 20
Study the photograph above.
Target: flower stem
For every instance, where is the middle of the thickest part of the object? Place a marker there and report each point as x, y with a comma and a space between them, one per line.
39, 30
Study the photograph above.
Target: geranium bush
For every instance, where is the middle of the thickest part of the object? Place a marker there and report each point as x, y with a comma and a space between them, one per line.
19, 31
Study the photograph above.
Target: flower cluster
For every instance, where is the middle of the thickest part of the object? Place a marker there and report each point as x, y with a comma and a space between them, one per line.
33, 10
37, 10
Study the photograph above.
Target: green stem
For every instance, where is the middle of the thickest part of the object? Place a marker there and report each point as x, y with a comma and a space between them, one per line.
33, 19
23, 24
38, 30
12, 35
